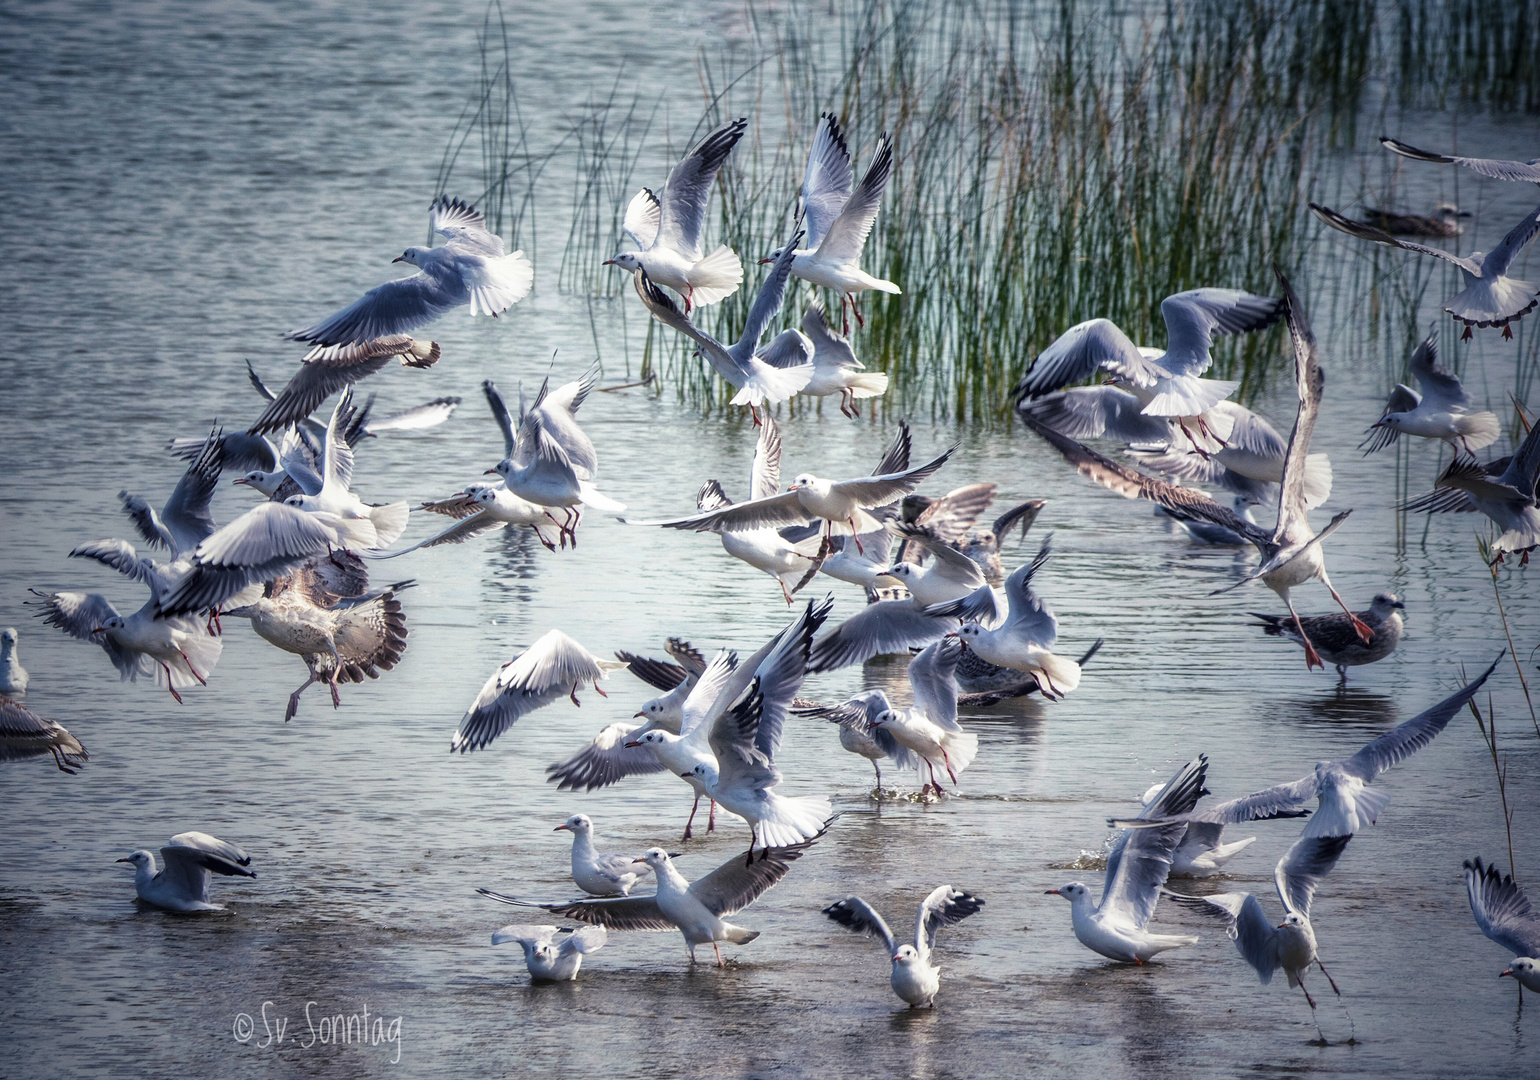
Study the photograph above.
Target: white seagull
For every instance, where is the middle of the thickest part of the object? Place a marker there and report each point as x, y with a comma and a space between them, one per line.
838, 219
928, 728
549, 962
553, 667
13, 677
1508, 498
914, 978
835, 367
1137, 867
860, 734
599, 873
183, 883
667, 228
365, 525
1502, 911
695, 908
468, 268
1441, 411
1490, 296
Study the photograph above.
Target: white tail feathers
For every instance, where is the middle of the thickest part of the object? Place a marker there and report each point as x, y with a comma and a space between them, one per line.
500, 283
593, 497
1478, 429
1189, 396
389, 522
737, 934
792, 820
202, 652
1318, 480
865, 384
1056, 675
1493, 302
961, 748
715, 277
770, 385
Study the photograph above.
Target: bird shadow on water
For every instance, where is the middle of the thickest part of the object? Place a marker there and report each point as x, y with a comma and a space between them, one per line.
514, 564
1341, 707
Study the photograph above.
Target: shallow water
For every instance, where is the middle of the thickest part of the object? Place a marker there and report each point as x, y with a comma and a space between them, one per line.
187, 183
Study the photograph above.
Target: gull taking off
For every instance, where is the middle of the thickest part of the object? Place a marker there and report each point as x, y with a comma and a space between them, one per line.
553, 667
928, 729
1504, 915
549, 962
596, 873
365, 525
667, 228
695, 908
838, 220
1439, 412
468, 268
915, 978
182, 884
1508, 498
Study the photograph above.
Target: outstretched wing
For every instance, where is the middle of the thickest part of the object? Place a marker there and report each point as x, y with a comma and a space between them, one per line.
945, 906
827, 179
682, 206
1501, 909
1378, 236
1080, 352
1194, 317
847, 233
733, 886
1299, 873
1406, 739
856, 914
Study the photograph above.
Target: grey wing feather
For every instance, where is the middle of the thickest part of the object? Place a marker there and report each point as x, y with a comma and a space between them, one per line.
396, 307
945, 906
889, 626
1092, 412
782, 509
872, 491
1255, 937
500, 414
1369, 232
604, 761
933, 675
1496, 168
659, 674
585, 940
765, 473
895, 458
1079, 353
856, 914
827, 179
1299, 873
617, 913
1406, 739
1501, 257
982, 606
1439, 385
1501, 909
767, 304
682, 206
847, 233
1140, 860
312, 384
733, 886
1309, 383
78, 614
428, 414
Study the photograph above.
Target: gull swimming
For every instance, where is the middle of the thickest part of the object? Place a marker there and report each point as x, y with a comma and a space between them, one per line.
1291, 944
548, 962
1508, 499
762, 376
695, 908
182, 884
835, 367
469, 267
1490, 296
24, 734
596, 873
1441, 411
667, 228
914, 978
13, 677
1445, 221
1137, 867
1167, 384
553, 667
838, 219
1503, 913
1334, 638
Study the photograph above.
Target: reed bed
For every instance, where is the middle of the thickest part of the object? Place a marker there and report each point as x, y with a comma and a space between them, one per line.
1054, 163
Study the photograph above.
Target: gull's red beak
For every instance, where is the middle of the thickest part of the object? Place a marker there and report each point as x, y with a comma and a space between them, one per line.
632, 745
399, 258
609, 262
131, 860
639, 712
490, 472
240, 480
562, 828
103, 630
895, 956
1052, 892
763, 261
1500, 974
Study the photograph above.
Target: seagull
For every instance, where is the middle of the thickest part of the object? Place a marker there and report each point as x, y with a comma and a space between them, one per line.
340, 638
416, 418
948, 575
914, 978
988, 684
1291, 554
762, 376
948, 517
24, 734
1137, 867
13, 677
1289, 945
553, 667
1333, 636
1508, 498
1439, 412
1207, 532
741, 773
1445, 221
929, 728
364, 524
695, 908
866, 566
606, 760
185, 520
1504, 915
1346, 802
860, 734
667, 228
468, 268
842, 505
838, 219
1023, 638
483, 508
1166, 384
1202, 851
791, 564
557, 418
1494, 168
595, 873
984, 546
835, 367
1490, 296
552, 463
548, 962
323, 372
183, 883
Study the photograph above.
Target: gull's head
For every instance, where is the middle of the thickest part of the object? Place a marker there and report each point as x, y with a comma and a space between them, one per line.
906, 955
969, 631
502, 468
1073, 892
646, 738
140, 859
1523, 968
1294, 920
626, 260
114, 622
546, 952
411, 255
1384, 604
484, 494
296, 501
770, 258
653, 857
903, 571
577, 823
804, 480
264, 482
886, 716
8, 637
653, 710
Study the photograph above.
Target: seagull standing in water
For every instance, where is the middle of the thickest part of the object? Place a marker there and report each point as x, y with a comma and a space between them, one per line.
549, 962
468, 268
915, 978
667, 228
182, 884
599, 873
838, 219
928, 729
13, 677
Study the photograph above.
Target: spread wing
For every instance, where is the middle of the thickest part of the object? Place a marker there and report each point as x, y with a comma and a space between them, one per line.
500, 414
417, 418
1081, 351
312, 384
827, 179
933, 675
945, 906
682, 206
1495, 168
268, 540
831, 351
1299, 873
643, 214
1501, 257
870, 491
883, 628
615, 913
1194, 317
1369, 232
604, 761
396, 307
1309, 382
782, 509
733, 886
847, 233
1140, 862
765, 475
1502, 910
1245, 922
856, 914
1406, 739
767, 303
950, 517
1440, 386
1094, 412
553, 667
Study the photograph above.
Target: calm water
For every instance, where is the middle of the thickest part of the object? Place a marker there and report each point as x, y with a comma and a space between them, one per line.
185, 182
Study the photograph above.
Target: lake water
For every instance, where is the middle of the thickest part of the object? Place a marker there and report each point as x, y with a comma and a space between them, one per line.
185, 182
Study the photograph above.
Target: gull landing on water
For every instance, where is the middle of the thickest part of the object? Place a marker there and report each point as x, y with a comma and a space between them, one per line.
915, 978
182, 884
549, 962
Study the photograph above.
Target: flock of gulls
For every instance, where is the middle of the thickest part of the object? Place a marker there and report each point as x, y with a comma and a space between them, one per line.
300, 563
